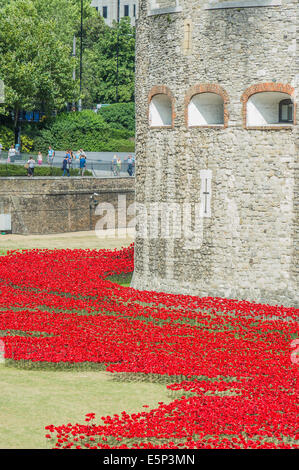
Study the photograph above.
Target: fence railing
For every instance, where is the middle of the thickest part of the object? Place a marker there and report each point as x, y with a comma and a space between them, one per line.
103, 169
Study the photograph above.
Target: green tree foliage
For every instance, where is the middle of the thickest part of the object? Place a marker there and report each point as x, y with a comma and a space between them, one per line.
7, 137
66, 16
87, 130
35, 64
101, 82
120, 115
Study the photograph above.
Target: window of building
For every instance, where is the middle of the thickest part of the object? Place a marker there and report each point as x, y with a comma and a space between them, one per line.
134, 10
286, 111
105, 12
126, 10
157, 7
269, 108
160, 111
206, 109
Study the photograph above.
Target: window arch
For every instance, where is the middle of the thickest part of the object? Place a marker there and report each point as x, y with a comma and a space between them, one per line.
268, 105
206, 109
206, 106
160, 107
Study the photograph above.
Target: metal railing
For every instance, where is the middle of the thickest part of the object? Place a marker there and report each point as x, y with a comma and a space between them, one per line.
103, 169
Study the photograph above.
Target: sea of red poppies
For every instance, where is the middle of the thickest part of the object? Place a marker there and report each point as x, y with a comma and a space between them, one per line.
229, 364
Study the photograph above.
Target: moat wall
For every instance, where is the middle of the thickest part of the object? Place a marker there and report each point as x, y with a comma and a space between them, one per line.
43, 205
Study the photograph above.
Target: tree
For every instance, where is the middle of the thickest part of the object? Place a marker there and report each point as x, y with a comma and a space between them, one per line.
100, 77
35, 65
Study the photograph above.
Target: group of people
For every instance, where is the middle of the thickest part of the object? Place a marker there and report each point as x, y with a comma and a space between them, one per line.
67, 162
70, 158
116, 165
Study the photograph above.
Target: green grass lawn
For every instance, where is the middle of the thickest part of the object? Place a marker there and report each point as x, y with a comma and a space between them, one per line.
31, 399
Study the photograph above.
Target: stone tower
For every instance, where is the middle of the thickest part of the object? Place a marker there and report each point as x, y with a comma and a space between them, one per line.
216, 149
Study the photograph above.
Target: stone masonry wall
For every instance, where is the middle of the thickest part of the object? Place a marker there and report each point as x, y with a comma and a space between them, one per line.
250, 242
42, 205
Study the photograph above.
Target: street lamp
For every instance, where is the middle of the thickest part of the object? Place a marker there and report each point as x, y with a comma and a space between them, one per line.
81, 55
117, 48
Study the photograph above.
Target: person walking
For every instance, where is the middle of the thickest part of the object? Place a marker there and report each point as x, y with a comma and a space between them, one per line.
51, 155
130, 165
81, 153
77, 159
114, 165
39, 158
73, 157
82, 162
66, 165
11, 154
118, 166
31, 165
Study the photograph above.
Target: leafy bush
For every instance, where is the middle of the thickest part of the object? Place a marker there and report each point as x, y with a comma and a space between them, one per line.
26, 143
7, 137
119, 115
19, 170
85, 129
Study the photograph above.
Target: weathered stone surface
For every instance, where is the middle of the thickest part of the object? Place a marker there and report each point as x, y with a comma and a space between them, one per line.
250, 243
56, 205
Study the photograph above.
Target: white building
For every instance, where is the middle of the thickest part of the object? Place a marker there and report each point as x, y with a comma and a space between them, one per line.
109, 9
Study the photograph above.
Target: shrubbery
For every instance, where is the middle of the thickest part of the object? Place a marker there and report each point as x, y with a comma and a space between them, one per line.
120, 115
110, 130
88, 130
7, 137
19, 170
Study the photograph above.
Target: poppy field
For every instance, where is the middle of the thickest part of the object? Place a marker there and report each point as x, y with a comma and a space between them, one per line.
230, 366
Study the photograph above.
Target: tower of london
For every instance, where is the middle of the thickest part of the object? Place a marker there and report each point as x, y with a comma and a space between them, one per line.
216, 148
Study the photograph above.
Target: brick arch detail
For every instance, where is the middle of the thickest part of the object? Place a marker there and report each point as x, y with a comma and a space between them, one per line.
207, 88
162, 90
262, 87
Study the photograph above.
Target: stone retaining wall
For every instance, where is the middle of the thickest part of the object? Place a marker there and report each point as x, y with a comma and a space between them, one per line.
54, 205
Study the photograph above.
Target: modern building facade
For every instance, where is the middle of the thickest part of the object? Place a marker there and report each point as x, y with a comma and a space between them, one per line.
111, 9
216, 149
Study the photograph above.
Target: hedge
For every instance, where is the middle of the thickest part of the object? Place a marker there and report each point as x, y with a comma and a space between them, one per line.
19, 170
86, 130
109, 130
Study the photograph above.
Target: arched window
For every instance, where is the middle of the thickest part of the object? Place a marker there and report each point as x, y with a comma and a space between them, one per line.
160, 111
268, 108
206, 109
268, 105
286, 111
